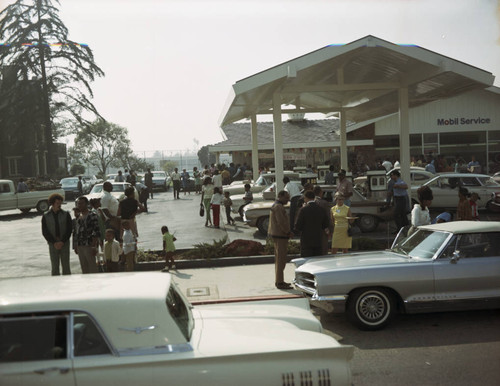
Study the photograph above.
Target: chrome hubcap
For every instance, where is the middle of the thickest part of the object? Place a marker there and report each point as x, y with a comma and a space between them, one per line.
372, 306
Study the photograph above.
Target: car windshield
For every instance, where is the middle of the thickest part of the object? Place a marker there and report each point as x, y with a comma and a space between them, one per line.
159, 175
96, 189
70, 182
422, 244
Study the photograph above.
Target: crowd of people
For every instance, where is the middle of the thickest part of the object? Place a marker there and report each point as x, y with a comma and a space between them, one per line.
109, 226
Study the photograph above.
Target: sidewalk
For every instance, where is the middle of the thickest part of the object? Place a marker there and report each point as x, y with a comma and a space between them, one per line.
249, 281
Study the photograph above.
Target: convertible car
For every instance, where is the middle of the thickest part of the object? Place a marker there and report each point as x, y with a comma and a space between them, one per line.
441, 267
138, 329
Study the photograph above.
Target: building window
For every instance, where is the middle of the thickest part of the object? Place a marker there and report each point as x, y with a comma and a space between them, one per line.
14, 165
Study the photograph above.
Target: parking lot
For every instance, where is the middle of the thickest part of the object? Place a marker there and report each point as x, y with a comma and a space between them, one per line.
461, 348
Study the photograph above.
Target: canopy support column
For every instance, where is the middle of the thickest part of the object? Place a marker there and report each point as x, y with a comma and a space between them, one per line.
343, 141
255, 148
278, 141
404, 137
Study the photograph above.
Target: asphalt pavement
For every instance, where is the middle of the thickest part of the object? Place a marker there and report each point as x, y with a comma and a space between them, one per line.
447, 348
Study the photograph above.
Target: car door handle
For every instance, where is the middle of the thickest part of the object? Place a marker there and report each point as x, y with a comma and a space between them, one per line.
62, 370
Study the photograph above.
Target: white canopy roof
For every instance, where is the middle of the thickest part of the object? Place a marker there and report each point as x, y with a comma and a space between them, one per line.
362, 80
361, 77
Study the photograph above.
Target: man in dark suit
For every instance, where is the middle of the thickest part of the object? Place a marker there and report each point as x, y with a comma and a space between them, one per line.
327, 206
312, 222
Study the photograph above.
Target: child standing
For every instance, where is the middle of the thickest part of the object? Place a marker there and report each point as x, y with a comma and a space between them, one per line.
168, 248
473, 204
112, 251
227, 204
129, 246
216, 201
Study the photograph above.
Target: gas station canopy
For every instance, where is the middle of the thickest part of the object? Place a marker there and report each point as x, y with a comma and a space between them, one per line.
362, 80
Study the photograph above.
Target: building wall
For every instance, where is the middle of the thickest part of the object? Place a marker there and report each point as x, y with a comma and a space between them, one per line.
463, 126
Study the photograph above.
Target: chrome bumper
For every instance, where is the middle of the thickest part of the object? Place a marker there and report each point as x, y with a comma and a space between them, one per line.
336, 303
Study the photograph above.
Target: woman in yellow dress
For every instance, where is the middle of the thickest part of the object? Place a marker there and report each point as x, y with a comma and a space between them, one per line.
340, 214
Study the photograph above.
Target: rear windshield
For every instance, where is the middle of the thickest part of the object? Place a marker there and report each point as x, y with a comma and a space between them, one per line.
180, 312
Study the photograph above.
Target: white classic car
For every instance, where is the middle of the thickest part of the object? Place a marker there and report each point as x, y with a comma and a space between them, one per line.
138, 329
445, 190
265, 180
441, 267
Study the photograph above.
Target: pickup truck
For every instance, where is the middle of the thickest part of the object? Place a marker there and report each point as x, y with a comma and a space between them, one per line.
10, 199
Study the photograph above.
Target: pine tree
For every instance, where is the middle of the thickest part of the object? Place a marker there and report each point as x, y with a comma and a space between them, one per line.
35, 45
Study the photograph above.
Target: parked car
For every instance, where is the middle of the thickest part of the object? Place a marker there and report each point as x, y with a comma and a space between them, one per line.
118, 191
418, 176
267, 194
441, 267
496, 177
70, 186
10, 199
265, 180
138, 329
369, 211
161, 180
445, 190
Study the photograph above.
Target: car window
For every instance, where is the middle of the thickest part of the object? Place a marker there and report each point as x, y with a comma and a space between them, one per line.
119, 188
423, 244
159, 175
419, 177
469, 181
4, 188
433, 183
260, 181
179, 312
87, 337
33, 338
69, 182
488, 181
479, 245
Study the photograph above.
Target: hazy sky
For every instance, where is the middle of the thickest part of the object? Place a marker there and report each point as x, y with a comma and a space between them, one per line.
170, 64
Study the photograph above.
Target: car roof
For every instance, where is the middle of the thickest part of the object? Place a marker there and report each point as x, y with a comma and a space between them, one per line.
462, 175
465, 226
118, 301
69, 291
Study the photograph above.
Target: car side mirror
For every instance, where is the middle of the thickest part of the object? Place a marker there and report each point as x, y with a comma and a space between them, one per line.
455, 257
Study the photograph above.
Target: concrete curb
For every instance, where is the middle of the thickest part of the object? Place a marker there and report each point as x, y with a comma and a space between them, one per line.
210, 263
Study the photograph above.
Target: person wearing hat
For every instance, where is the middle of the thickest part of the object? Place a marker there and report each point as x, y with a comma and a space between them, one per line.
400, 195
344, 187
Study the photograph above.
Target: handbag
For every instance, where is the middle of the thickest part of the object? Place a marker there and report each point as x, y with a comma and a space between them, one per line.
202, 210
349, 230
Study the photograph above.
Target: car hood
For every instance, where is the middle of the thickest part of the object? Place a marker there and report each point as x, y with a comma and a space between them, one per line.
354, 260
230, 329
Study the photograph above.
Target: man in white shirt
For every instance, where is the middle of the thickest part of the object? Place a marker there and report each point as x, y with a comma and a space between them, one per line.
176, 181
387, 165
109, 207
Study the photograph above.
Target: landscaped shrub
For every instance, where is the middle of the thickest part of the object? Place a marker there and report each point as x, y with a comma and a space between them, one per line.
293, 247
244, 248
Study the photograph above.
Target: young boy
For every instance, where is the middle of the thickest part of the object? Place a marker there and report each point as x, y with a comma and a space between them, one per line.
227, 204
168, 248
129, 246
112, 251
